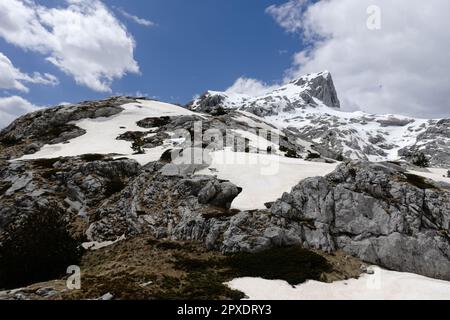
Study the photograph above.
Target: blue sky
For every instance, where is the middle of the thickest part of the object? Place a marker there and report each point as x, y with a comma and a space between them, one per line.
193, 46
75, 50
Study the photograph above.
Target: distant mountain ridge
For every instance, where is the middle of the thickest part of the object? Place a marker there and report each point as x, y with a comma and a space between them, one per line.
310, 107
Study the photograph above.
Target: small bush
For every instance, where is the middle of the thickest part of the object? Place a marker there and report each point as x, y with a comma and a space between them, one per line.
289, 153
448, 174
420, 160
220, 111
340, 157
39, 248
138, 145
312, 156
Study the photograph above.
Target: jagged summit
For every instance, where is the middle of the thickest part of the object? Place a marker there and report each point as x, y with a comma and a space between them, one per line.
310, 107
309, 90
321, 86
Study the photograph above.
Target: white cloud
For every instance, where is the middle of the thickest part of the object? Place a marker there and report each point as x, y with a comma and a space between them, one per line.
84, 39
402, 68
12, 78
250, 87
136, 19
289, 15
12, 108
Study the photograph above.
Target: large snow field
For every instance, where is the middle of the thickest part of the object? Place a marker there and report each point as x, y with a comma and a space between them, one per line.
101, 133
263, 178
382, 285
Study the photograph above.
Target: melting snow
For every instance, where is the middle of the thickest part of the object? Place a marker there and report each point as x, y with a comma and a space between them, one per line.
382, 285
264, 178
101, 133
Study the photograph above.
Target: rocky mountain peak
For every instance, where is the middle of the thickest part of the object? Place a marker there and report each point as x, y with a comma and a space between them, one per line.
307, 91
321, 86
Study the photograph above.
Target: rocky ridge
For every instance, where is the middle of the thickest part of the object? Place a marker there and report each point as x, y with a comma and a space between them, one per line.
309, 106
377, 212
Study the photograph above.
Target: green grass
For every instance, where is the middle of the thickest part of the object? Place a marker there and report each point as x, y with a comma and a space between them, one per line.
292, 264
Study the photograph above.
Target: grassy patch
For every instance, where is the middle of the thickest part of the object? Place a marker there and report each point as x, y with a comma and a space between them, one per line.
144, 268
292, 264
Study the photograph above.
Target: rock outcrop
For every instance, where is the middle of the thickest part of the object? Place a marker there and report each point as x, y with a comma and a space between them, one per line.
378, 213
309, 107
30, 132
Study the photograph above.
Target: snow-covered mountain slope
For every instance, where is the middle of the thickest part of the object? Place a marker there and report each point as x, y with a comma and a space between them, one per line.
102, 134
294, 95
110, 127
309, 107
263, 178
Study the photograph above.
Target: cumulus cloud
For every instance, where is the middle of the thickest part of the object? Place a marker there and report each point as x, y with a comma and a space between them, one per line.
250, 87
83, 39
12, 108
401, 68
13, 78
136, 19
289, 15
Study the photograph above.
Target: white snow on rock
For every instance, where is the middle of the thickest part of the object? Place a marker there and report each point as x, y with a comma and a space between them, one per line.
256, 122
95, 245
435, 174
101, 133
382, 285
263, 178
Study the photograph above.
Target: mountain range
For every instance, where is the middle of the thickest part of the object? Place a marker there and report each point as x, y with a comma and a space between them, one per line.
155, 200
310, 107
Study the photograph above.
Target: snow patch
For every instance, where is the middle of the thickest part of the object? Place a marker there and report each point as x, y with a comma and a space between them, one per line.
263, 178
381, 285
101, 133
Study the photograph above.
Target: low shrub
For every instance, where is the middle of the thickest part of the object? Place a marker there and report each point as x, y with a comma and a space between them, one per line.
420, 160
36, 249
